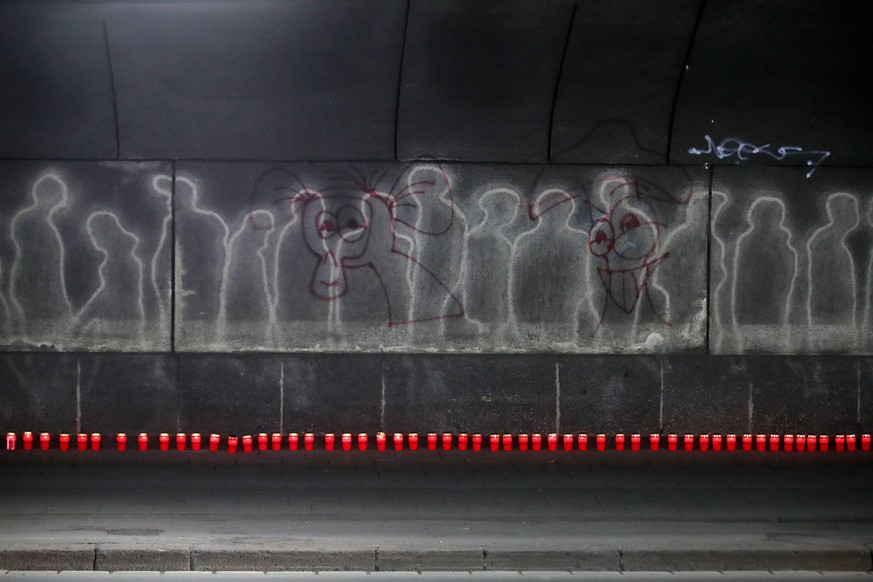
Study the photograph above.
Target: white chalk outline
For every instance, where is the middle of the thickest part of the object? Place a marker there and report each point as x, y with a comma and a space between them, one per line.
716, 322
164, 302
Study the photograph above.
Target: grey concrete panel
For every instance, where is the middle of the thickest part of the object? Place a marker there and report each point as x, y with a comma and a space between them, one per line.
619, 79
486, 394
430, 560
259, 80
791, 261
38, 392
129, 393
799, 395
589, 560
777, 75
57, 97
610, 394
865, 395
47, 559
812, 558
707, 394
367, 257
479, 79
143, 559
85, 256
229, 394
279, 560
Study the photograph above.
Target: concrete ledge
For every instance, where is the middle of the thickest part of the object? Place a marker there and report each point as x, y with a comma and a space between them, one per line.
807, 558
591, 560
430, 560
117, 559
54, 559
279, 560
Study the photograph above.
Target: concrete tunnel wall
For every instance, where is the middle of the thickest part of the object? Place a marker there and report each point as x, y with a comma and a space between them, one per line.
436, 215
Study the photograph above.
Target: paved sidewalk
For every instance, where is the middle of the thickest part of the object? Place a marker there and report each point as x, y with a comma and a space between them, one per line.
604, 511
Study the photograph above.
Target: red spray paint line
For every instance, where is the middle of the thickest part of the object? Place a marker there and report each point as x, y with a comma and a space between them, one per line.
582, 441
45, 440
121, 441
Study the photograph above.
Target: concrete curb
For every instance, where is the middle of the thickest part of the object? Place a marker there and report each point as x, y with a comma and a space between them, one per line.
844, 559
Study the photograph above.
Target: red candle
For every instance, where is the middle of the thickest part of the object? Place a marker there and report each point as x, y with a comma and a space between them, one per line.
164, 441
477, 442
196, 441
654, 442
447, 441
214, 442
181, 441
523, 441
823, 442
330, 441
142, 439
10, 441
600, 440
380, 441
494, 441
232, 444
247, 443
760, 442
688, 440
800, 442
747, 442
95, 441
635, 442
362, 441
463, 440
276, 441
840, 442
811, 440
619, 442
121, 441
293, 441
413, 441
536, 441
851, 442
431, 441
774, 442
731, 442
82, 441
568, 442
672, 441
64, 441
45, 440
263, 441
398, 441
704, 442
865, 442
309, 441
788, 442
552, 441
27, 440
716, 442
582, 441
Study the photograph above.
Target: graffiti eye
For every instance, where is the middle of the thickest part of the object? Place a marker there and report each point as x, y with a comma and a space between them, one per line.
326, 226
601, 238
353, 223
629, 221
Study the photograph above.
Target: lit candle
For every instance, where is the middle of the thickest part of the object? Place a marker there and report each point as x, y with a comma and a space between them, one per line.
380, 441
619, 442
95, 441
263, 441
196, 441
447, 441
495, 442
276, 441
582, 441
731, 442
143, 440
247, 443
398, 441
214, 442
362, 441
27, 440
477, 442
232, 444
45, 440
523, 441
121, 441
293, 441
536, 441
64, 441
568, 442
654, 442
413, 441
635, 442
463, 441
181, 441
600, 442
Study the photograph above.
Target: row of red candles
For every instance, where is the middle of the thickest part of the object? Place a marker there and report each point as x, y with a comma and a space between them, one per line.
463, 441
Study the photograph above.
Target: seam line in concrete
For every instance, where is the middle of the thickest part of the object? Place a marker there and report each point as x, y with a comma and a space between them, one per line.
377, 567
484, 559
620, 560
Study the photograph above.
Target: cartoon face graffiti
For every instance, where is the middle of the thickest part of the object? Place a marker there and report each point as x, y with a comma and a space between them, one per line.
336, 229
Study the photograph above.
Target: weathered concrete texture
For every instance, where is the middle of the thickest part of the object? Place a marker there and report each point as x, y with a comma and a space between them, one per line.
38, 392
791, 261
865, 395
143, 559
796, 88
367, 257
281, 560
85, 256
257, 80
583, 559
748, 558
430, 560
46, 559
710, 395
479, 79
615, 98
57, 97
486, 394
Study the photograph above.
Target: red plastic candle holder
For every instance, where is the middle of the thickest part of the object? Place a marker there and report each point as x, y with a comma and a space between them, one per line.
413, 441
276, 441
774, 442
164, 441
523, 442
747, 442
27, 440
704, 442
840, 442
432, 441
293, 441
507, 442
362, 441
232, 444
214, 442
142, 441
398, 441
494, 442
672, 442
654, 441
600, 442
95, 441
865, 442
716, 442
181, 441
197, 441
447, 441
811, 441
788, 442
263, 441
582, 442
552, 440
536, 442
635, 442
308, 441
64, 441
121, 441
248, 443
688, 442
800, 442
761, 442
463, 441
477, 442
82, 441
619, 442
345, 440
330, 441
45, 440
731, 440
381, 440
10, 441
851, 442
568, 442
823, 442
